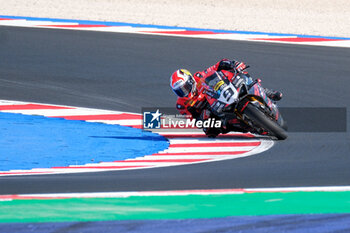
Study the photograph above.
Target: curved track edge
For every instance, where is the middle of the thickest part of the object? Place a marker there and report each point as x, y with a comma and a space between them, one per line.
184, 147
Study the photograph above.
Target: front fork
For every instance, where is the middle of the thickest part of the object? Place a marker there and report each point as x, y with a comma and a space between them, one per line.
239, 110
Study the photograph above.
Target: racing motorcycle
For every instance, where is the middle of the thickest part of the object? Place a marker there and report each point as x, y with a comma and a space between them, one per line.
235, 96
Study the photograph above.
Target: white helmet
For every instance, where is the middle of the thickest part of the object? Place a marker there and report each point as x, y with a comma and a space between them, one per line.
182, 83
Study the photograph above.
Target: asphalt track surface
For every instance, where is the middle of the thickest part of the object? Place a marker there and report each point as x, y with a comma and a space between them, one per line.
127, 71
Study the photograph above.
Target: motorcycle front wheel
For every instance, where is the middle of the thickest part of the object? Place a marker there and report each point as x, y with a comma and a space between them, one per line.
261, 120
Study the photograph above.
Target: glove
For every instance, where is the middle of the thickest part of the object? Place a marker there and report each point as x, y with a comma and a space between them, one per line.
240, 66
225, 65
231, 65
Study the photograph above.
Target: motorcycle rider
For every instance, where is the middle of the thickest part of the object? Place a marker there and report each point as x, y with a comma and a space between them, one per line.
192, 101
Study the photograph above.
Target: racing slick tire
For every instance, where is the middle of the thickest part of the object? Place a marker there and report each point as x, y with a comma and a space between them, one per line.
263, 121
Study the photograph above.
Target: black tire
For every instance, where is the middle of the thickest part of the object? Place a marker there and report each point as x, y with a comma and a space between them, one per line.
263, 121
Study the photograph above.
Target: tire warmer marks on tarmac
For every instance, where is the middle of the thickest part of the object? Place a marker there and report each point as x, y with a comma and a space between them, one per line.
184, 148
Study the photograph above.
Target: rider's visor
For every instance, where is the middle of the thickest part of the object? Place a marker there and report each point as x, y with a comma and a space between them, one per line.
185, 89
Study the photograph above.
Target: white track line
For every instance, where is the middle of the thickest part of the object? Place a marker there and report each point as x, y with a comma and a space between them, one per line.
176, 192
154, 30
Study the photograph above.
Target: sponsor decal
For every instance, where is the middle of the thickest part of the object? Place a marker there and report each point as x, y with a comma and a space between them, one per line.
218, 85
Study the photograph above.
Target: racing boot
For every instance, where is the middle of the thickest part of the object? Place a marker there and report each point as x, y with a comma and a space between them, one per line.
211, 132
233, 125
273, 95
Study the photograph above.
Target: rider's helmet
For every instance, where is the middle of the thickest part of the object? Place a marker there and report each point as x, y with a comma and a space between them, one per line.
182, 83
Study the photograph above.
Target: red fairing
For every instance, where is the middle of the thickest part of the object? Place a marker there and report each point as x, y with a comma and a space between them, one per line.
196, 101
229, 75
181, 105
184, 102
